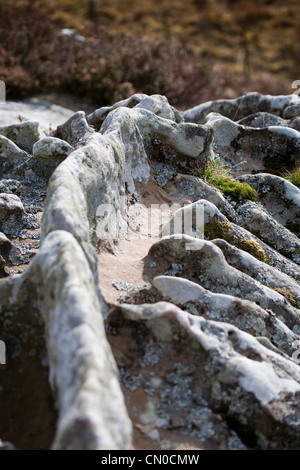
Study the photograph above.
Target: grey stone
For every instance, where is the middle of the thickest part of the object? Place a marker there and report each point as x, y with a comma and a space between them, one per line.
121, 285
209, 347
11, 214
277, 195
9, 186
244, 314
10, 156
233, 368
24, 134
242, 106
209, 266
48, 153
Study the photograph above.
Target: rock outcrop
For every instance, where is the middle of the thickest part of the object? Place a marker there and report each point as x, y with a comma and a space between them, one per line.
200, 350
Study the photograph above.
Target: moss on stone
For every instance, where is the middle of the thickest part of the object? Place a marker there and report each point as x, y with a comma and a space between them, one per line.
287, 294
177, 246
217, 229
235, 190
253, 248
293, 176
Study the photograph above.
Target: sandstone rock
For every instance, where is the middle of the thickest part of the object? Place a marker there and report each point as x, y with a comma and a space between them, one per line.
242, 106
263, 272
184, 138
262, 119
247, 149
257, 220
157, 104
202, 261
280, 197
13, 217
245, 315
24, 134
48, 153
74, 129
96, 118
11, 213
10, 155
214, 369
83, 376
9, 186
202, 219
5, 247
51, 147
193, 188
292, 111
295, 123
203, 356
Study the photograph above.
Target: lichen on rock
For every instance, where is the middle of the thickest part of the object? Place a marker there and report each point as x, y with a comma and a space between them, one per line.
200, 350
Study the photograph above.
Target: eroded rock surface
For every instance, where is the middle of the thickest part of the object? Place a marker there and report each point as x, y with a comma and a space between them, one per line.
199, 347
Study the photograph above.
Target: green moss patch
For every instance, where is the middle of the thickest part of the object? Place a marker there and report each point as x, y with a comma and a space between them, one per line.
216, 229
237, 191
293, 176
253, 248
287, 294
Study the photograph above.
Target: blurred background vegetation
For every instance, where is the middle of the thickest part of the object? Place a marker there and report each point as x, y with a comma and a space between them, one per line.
99, 51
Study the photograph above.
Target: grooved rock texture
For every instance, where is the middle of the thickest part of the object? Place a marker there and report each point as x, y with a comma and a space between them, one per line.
159, 296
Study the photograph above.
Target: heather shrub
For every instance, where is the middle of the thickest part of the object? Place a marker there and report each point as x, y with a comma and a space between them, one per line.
103, 68
106, 66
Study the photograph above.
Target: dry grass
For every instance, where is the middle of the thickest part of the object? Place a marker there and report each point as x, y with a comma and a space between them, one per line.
293, 176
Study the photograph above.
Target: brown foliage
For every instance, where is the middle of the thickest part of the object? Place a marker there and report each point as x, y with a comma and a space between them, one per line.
106, 66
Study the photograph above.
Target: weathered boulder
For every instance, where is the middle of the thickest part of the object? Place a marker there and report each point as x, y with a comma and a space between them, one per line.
280, 197
9, 186
24, 135
202, 261
193, 188
248, 149
292, 111
265, 273
245, 315
262, 119
229, 390
74, 129
157, 104
205, 356
242, 106
14, 220
11, 156
202, 219
59, 285
257, 220
11, 213
48, 153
